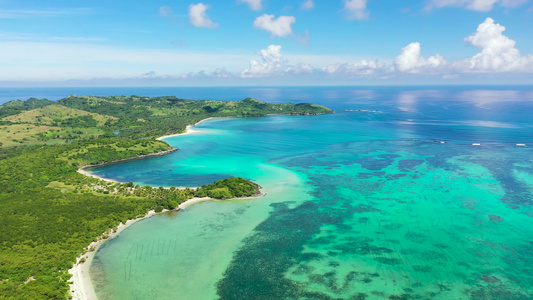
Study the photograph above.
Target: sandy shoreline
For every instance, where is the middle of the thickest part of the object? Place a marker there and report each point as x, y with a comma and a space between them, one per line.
89, 174
189, 129
82, 287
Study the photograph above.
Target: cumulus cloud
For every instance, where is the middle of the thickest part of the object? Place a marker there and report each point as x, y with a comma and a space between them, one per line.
356, 9
364, 67
497, 51
278, 27
271, 62
199, 17
308, 4
410, 61
478, 5
165, 11
497, 54
253, 4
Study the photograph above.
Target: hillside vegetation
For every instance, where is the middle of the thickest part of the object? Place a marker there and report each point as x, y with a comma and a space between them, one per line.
59, 115
81, 117
18, 106
49, 213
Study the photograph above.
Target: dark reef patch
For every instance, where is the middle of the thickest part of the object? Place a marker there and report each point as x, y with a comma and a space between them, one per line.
374, 164
409, 165
495, 218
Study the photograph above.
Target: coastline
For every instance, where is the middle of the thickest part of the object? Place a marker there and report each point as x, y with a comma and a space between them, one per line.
189, 129
89, 174
82, 287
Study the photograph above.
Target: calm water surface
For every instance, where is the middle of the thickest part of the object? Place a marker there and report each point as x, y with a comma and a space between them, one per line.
386, 199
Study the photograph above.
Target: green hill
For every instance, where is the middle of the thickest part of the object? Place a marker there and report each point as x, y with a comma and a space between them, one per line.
18, 106
157, 116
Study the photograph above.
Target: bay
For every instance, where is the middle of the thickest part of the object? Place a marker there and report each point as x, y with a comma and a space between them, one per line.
404, 193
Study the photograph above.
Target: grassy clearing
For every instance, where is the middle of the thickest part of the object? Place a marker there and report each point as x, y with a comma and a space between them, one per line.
51, 114
61, 186
29, 134
20, 134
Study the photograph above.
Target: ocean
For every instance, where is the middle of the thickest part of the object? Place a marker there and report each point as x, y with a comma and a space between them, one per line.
403, 193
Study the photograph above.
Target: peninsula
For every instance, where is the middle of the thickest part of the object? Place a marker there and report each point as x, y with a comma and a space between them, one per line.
50, 213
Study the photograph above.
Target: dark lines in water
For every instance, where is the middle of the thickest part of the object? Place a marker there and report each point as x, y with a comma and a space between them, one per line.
301, 252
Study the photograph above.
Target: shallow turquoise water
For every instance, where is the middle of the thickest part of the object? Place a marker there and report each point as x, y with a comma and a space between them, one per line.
358, 205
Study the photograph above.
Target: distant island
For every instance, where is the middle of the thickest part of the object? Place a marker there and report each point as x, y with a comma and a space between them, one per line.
50, 212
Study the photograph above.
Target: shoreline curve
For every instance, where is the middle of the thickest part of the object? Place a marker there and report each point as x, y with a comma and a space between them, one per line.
82, 287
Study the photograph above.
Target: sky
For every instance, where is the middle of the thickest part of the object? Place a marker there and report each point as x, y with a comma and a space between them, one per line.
265, 42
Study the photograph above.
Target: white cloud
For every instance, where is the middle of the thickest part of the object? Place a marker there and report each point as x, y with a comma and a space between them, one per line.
497, 52
278, 27
271, 61
253, 4
222, 73
308, 4
83, 60
410, 61
198, 16
478, 5
356, 9
300, 69
363, 67
165, 11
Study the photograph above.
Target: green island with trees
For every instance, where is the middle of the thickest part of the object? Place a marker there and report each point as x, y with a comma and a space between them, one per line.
50, 213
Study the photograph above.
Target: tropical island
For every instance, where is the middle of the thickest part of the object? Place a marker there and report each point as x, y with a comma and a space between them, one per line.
50, 213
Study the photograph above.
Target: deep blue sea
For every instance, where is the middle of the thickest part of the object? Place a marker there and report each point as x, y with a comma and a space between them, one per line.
403, 193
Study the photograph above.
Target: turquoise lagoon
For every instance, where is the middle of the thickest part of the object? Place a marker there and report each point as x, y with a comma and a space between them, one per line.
386, 199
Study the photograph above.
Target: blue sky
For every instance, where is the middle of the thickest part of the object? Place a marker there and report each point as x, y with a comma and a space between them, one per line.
265, 42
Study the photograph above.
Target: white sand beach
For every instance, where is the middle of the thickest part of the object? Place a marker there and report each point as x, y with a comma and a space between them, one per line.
89, 174
82, 287
189, 129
